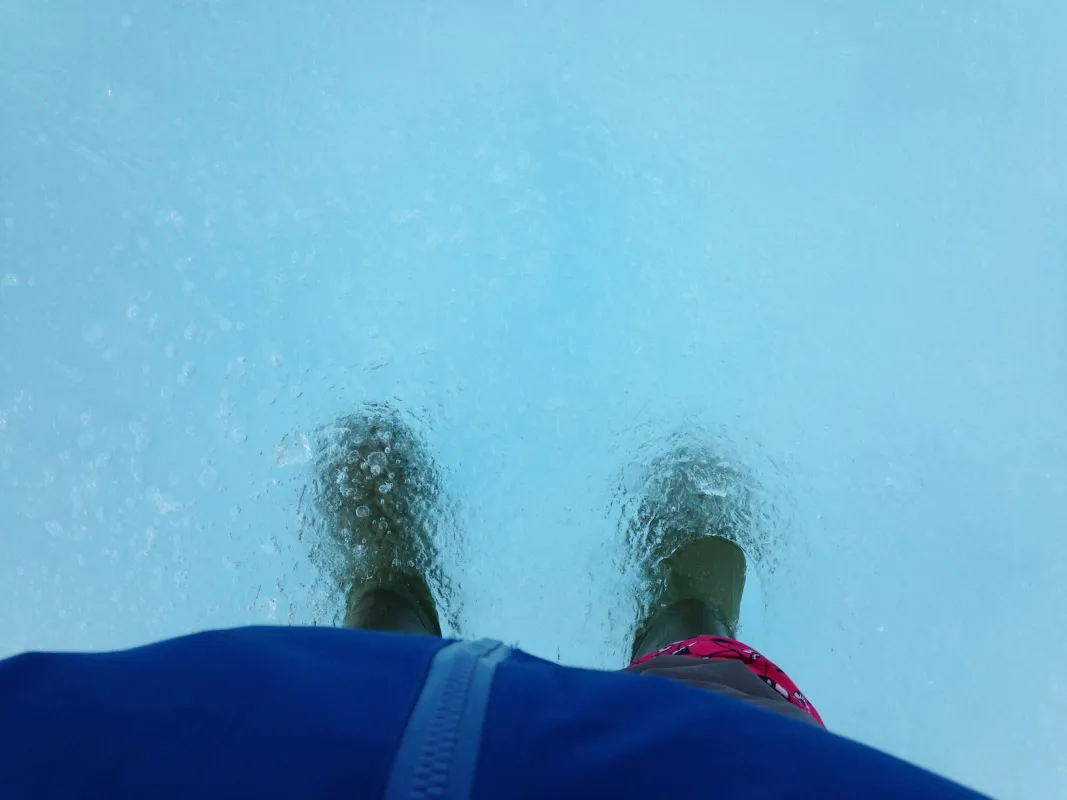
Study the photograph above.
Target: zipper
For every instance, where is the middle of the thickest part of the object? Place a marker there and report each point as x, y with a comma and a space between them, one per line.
438, 754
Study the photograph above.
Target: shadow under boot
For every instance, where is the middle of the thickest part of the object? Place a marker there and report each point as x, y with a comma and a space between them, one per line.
701, 587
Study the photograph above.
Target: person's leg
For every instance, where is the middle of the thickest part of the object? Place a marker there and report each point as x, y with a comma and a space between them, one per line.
378, 497
687, 536
702, 584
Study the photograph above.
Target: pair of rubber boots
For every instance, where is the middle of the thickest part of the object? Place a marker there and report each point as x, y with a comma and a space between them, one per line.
704, 581
378, 490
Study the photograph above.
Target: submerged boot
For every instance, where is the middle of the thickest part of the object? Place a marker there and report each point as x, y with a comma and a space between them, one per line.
401, 604
701, 594
684, 536
378, 495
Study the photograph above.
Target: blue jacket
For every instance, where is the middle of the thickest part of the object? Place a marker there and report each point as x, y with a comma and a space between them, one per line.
330, 713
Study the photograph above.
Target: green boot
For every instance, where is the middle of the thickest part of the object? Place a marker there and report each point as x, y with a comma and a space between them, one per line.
378, 499
685, 538
401, 604
701, 594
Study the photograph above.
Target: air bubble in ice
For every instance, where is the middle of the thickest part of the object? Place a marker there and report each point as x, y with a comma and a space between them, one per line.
377, 462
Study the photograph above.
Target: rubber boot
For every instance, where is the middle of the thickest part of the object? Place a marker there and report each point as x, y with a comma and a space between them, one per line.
378, 501
404, 606
701, 595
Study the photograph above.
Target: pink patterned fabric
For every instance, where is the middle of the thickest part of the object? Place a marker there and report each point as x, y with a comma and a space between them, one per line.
720, 647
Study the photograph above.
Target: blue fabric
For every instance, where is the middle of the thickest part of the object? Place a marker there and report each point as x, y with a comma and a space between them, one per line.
439, 752
320, 713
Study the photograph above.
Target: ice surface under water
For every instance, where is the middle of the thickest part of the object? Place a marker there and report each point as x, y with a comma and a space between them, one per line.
557, 237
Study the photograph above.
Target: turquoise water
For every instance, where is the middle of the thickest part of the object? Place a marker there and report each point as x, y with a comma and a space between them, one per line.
827, 238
